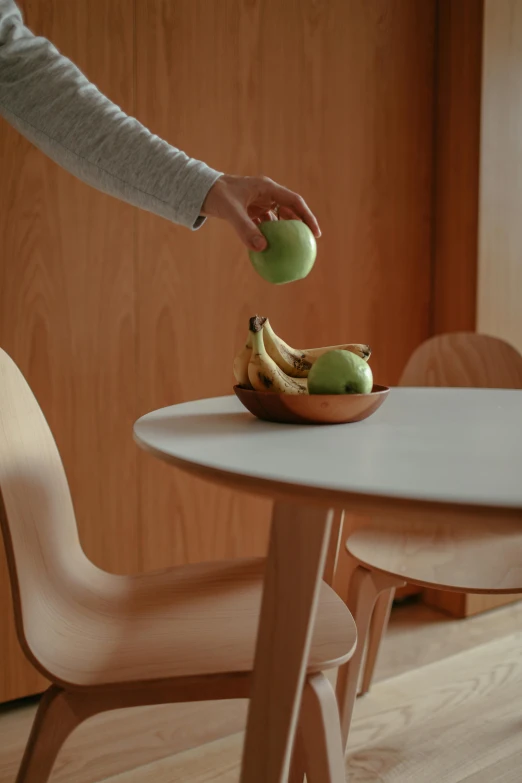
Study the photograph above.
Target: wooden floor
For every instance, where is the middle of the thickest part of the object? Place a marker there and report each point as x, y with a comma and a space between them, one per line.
447, 708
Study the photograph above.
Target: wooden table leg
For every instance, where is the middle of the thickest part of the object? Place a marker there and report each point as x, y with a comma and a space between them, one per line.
296, 558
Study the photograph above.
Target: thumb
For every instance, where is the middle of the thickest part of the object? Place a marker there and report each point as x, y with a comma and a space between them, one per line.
247, 230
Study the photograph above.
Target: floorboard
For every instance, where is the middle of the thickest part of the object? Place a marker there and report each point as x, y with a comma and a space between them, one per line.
446, 707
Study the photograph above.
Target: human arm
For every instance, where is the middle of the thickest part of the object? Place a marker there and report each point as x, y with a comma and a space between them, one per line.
50, 101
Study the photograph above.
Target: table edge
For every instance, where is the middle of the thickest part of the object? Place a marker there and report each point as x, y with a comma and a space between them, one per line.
352, 502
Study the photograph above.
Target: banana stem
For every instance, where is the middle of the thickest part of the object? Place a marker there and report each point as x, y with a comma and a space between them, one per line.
258, 344
256, 323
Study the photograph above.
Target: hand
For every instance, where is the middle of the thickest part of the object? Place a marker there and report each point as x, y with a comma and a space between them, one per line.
247, 201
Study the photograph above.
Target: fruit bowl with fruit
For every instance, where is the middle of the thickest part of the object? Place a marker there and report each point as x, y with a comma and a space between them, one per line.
330, 385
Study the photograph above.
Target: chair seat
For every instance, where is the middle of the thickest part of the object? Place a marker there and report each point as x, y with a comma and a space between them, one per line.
465, 553
189, 621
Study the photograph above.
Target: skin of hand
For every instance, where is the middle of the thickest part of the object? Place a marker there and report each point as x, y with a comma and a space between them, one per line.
244, 202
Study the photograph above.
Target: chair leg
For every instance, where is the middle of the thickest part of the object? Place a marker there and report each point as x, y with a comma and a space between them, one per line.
378, 626
298, 765
364, 588
55, 719
334, 547
320, 733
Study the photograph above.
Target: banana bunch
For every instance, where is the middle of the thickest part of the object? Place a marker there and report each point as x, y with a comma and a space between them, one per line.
267, 363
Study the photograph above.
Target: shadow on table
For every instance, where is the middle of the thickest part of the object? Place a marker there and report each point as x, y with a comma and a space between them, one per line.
207, 424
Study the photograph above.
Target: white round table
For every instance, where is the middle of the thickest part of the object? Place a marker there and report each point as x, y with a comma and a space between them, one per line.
436, 449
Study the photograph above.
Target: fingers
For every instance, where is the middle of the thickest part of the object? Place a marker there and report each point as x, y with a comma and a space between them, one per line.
295, 203
285, 213
265, 217
246, 202
247, 230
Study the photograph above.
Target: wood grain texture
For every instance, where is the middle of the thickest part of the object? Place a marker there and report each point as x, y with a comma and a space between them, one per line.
470, 360
67, 264
214, 439
378, 626
183, 634
17, 677
456, 164
19, 267
83, 332
67, 305
457, 359
116, 742
469, 556
500, 236
178, 742
55, 720
321, 733
297, 764
335, 544
364, 588
208, 81
419, 635
350, 126
216, 762
462, 555
464, 360
461, 605
468, 704
299, 539
84, 627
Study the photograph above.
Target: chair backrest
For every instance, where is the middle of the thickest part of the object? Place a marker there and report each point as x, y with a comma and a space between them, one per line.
464, 359
37, 519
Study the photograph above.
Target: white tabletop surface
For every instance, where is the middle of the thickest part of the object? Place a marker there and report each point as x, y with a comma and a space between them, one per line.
459, 446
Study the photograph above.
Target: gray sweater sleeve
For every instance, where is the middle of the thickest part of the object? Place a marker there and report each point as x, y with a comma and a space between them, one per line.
47, 99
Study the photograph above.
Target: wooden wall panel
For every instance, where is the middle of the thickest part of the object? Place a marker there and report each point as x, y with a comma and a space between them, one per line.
67, 306
500, 237
334, 99
500, 228
456, 169
462, 605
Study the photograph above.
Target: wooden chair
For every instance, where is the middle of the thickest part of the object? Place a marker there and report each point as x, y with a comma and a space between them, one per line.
387, 553
107, 641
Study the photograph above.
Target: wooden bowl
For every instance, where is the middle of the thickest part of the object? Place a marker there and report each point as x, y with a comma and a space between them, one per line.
312, 408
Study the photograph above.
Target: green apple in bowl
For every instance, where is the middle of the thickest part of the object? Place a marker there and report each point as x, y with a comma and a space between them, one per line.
290, 252
340, 372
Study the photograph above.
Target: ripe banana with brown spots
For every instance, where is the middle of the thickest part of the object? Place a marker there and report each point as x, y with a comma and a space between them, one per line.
263, 372
296, 362
241, 363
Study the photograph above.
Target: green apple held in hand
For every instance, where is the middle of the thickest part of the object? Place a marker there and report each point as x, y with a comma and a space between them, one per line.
340, 372
290, 254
